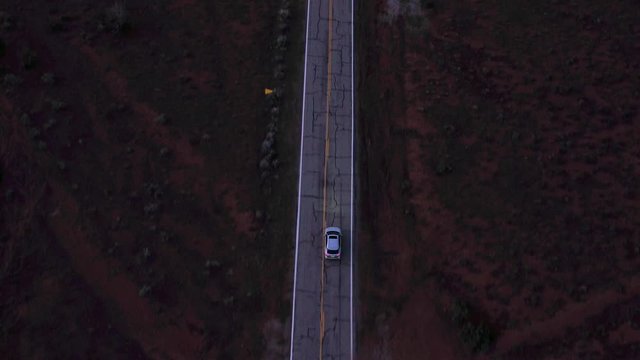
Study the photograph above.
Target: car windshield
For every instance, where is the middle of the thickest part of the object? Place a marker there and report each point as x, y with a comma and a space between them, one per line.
333, 244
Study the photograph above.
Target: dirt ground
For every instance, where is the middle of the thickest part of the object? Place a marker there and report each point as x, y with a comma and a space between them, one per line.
505, 137
133, 224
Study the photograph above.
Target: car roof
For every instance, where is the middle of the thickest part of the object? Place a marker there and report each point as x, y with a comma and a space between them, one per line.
333, 243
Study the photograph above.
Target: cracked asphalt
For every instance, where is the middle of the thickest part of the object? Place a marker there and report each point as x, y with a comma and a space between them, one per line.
322, 321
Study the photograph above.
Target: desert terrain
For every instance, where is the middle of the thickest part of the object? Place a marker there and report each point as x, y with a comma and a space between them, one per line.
498, 165
143, 214
147, 184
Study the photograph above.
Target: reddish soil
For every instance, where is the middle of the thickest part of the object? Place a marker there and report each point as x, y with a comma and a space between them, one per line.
129, 180
505, 135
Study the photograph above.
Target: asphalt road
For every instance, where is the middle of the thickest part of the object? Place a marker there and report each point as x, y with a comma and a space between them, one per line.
322, 315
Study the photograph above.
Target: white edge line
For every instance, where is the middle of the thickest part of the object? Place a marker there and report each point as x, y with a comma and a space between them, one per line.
295, 266
353, 131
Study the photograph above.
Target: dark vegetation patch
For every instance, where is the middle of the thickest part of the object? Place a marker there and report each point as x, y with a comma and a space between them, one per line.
473, 331
116, 19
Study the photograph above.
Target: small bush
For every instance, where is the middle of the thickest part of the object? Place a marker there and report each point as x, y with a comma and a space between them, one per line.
164, 152
212, 264
162, 119
49, 124
281, 42
284, 15
144, 290
57, 26
116, 19
48, 78
283, 27
146, 253
59, 23
477, 337
57, 105
267, 144
11, 80
279, 72
151, 208
459, 312
7, 22
25, 119
165, 237
443, 166
427, 4
264, 164
34, 133
29, 59
228, 300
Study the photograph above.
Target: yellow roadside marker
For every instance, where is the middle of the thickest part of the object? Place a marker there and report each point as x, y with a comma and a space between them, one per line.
268, 91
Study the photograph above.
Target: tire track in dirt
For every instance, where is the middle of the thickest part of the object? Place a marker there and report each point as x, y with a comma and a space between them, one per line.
89, 263
188, 162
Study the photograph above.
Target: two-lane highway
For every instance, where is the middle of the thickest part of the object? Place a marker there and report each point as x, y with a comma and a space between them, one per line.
322, 324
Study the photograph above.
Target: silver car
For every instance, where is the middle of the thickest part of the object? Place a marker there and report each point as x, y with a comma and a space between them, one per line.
332, 243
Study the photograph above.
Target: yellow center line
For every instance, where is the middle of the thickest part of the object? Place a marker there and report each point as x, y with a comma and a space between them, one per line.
326, 160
